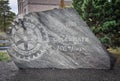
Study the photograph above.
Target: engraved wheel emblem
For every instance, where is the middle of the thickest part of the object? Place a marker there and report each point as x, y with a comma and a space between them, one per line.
28, 44
26, 40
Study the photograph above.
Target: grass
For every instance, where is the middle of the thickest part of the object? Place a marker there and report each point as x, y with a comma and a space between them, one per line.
115, 52
2, 33
2, 45
4, 56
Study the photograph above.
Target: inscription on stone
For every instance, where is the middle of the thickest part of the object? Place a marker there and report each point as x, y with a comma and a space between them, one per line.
57, 38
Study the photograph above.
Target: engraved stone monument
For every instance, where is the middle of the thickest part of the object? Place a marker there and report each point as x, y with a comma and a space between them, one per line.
57, 38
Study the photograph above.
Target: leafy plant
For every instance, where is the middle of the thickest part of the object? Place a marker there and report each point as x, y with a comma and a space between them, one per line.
6, 16
103, 17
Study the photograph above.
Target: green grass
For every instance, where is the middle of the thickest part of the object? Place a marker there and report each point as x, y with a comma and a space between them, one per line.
4, 56
2, 44
2, 33
115, 52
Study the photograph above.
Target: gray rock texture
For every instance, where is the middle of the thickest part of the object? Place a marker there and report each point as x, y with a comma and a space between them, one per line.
58, 38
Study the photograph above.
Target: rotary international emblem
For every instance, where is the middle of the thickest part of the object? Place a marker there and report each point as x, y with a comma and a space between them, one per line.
28, 40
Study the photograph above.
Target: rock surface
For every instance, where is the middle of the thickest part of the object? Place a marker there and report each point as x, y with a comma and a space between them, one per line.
57, 38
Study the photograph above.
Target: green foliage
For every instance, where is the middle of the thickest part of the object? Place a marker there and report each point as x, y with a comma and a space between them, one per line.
6, 16
4, 56
103, 17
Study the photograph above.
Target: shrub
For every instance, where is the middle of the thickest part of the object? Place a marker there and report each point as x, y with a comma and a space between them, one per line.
103, 17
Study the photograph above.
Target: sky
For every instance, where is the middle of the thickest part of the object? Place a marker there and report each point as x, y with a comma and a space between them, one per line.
13, 5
